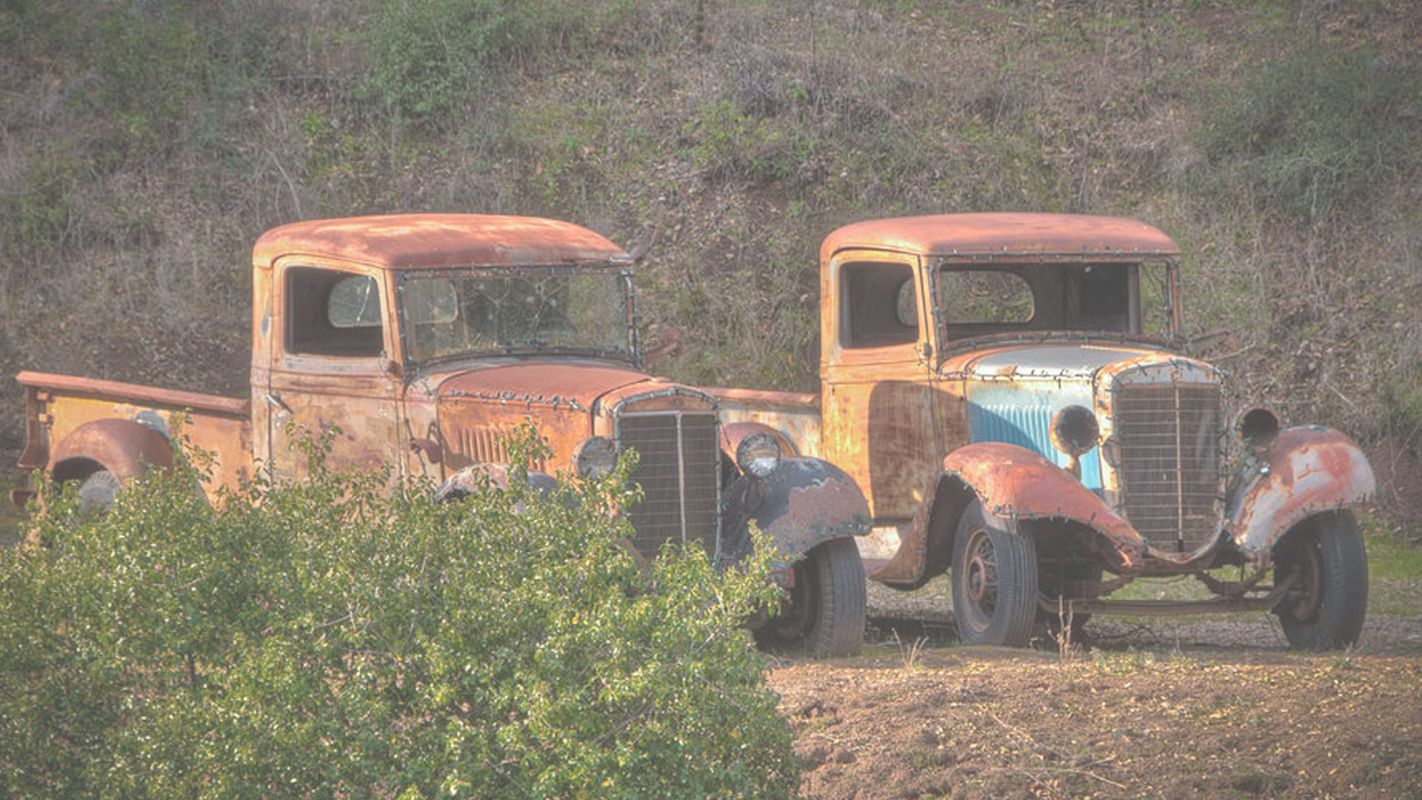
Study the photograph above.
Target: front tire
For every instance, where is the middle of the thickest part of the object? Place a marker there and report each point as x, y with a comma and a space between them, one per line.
1326, 608
824, 613
994, 581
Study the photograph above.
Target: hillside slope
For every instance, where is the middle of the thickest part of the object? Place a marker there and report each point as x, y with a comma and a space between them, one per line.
145, 145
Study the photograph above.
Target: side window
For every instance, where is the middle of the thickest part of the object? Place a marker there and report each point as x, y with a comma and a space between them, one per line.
984, 297
332, 313
880, 307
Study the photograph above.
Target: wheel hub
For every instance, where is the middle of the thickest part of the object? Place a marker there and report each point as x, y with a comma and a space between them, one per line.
1308, 596
982, 571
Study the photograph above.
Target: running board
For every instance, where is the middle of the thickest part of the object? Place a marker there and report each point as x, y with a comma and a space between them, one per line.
1145, 608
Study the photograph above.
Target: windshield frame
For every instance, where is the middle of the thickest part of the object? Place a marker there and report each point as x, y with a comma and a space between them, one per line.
632, 354
1172, 308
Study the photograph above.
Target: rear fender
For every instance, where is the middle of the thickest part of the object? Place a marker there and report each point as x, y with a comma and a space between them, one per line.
1310, 470
123, 447
1016, 485
804, 502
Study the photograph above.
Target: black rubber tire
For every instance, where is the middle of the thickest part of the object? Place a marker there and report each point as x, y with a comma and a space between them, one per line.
97, 492
995, 587
1049, 588
825, 611
1327, 611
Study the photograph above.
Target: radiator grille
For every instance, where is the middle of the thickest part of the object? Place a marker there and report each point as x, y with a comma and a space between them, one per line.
678, 469
1169, 467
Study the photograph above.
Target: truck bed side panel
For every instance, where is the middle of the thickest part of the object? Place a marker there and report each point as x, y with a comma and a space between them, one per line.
60, 403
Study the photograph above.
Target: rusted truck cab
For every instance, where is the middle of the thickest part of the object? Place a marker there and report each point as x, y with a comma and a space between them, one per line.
1004, 388
420, 342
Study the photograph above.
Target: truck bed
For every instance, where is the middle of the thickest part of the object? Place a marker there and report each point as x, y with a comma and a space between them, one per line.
58, 404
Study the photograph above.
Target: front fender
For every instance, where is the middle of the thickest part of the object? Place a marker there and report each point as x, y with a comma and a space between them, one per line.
805, 501
733, 433
1311, 469
1015, 485
462, 483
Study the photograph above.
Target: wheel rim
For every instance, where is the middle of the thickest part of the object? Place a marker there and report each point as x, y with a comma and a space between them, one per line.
794, 617
1306, 564
980, 580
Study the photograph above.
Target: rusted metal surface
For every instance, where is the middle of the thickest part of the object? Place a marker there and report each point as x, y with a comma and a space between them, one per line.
1016, 484
734, 433
806, 401
555, 382
1004, 235
793, 415
134, 393
805, 501
1308, 470
431, 241
123, 447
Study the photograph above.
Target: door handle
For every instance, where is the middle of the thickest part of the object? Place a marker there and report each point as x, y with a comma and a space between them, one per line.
274, 400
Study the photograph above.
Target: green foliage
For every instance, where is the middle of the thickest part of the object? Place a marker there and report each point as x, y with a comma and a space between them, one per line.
1307, 132
319, 639
730, 143
424, 58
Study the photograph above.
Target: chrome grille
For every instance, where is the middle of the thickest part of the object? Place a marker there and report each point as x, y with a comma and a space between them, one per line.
1168, 436
678, 468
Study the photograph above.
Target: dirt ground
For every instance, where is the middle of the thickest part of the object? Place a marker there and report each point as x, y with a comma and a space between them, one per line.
1214, 707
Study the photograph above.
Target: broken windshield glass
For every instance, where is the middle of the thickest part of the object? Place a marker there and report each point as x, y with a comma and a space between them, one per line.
558, 309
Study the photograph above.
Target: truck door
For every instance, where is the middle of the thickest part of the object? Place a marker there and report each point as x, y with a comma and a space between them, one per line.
331, 375
877, 404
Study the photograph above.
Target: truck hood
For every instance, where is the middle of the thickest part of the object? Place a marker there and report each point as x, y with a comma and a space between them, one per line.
1058, 361
572, 383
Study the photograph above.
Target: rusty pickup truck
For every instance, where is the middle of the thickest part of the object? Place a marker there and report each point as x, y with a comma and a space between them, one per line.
1003, 388
424, 340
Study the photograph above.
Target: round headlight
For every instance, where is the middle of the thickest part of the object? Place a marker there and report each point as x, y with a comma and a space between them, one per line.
1074, 430
758, 454
1257, 427
595, 458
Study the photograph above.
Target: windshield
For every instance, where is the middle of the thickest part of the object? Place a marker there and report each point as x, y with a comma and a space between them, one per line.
977, 300
454, 313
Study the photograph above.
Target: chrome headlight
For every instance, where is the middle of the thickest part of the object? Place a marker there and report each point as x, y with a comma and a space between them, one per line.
758, 454
1075, 431
595, 458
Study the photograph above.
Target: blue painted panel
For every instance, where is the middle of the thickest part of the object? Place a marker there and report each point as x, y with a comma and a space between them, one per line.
1021, 414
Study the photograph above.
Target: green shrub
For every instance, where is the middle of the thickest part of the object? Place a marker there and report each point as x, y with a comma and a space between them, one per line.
1307, 132
324, 639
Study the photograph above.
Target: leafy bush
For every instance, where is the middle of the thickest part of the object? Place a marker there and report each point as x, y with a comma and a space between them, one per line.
1309, 131
325, 639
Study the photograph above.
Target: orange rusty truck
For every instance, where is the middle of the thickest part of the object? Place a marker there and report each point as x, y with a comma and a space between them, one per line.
425, 339
1004, 389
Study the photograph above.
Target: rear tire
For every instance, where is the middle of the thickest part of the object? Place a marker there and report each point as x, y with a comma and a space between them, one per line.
824, 613
97, 492
1326, 608
994, 581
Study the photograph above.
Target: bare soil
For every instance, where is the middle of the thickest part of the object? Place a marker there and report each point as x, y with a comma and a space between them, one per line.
1212, 707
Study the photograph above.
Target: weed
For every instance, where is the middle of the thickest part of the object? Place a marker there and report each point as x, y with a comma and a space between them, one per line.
910, 653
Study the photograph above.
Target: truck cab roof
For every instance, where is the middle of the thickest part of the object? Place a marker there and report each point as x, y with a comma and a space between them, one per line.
434, 241
1002, 236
